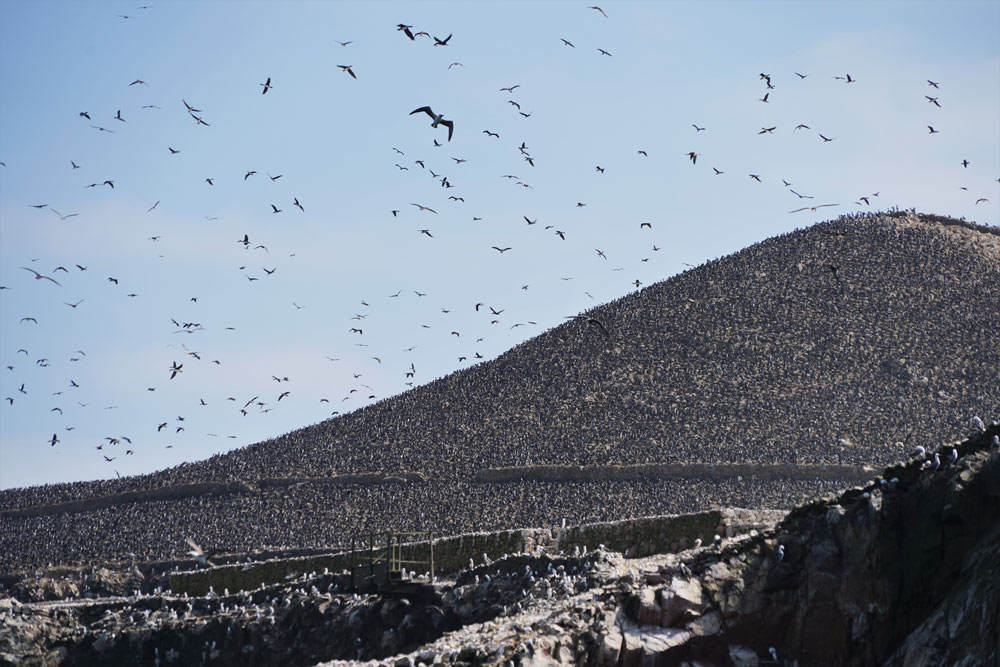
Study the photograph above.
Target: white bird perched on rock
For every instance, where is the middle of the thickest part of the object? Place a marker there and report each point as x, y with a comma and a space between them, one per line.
918, 453
996, 441
952, 456
978, 423
716, 541
781, 552
774, 654
486, 559
697, 543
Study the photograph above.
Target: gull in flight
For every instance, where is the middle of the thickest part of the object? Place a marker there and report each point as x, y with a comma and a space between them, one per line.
423, 208
438, 119
812, 208
40, 276
199, 555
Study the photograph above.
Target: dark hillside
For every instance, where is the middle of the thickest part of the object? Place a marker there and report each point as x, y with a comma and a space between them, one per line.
823, 345
767, 355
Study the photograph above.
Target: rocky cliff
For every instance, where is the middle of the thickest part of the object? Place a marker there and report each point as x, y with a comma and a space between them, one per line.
903, 571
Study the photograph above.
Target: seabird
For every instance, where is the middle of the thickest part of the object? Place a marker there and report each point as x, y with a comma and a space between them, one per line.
40, 276
199, 555
267, 86
438, 119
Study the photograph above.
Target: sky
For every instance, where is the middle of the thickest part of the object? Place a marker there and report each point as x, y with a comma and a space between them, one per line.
344, 301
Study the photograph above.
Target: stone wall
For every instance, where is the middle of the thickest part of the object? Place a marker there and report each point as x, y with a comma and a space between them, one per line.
634, 537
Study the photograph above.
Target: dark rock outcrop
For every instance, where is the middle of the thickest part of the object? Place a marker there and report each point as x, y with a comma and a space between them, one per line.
905, 571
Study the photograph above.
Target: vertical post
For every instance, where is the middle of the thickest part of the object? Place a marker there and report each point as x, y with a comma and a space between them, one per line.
353, 562
431, 540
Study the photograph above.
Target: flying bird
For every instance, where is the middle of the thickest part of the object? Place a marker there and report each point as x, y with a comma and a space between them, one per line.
267, 86
40, 276
406, 30
347, 68
600, 10
423, 208
812, 208
199, 555
441, 42
438, 119
500, 250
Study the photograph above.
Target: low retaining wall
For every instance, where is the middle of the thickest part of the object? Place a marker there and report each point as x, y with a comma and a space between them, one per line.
654, 471
182, 491
634, 538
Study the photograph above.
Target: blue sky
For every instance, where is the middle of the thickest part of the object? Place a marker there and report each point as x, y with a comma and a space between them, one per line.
333, 140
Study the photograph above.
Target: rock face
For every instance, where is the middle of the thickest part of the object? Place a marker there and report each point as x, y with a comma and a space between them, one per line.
905, 571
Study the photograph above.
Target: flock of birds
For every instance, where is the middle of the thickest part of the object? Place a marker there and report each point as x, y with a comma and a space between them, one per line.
255, 401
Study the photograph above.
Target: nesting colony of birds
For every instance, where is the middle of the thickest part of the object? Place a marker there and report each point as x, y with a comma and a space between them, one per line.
814, 347
404, 236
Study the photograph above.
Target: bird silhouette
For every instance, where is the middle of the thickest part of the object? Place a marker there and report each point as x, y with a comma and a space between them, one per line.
438, 119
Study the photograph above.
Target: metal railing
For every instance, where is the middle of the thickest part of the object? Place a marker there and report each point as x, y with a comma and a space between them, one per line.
384, 562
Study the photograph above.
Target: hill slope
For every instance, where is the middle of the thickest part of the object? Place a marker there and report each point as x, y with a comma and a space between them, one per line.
818, 346
767, 355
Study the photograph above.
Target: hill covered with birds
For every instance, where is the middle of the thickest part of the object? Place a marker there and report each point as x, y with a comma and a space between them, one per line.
823, 346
